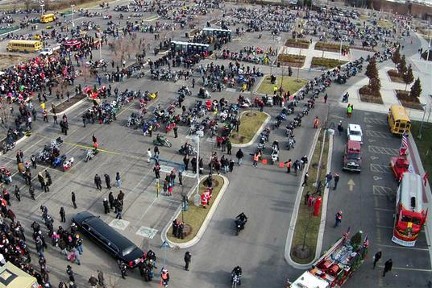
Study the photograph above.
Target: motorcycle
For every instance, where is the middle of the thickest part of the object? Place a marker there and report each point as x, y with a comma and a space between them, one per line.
188, 150
290, 143
8, 146
240, 225
90, 154
235, 280
161, 141
68, 164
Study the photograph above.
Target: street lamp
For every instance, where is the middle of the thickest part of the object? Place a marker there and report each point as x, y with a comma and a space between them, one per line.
196, 140
42, 8
421, 125
72, 9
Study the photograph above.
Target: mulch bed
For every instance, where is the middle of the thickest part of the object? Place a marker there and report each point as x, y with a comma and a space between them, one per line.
291, 60
366, 95
394, 76
407, 101
330, 47
66, 104
304, 44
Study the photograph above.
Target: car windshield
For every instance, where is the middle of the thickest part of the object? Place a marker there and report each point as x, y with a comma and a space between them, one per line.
354, 132
409, 218
353, 156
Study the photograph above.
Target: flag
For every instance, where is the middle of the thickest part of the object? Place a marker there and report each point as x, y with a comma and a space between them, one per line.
366, 241
404, 144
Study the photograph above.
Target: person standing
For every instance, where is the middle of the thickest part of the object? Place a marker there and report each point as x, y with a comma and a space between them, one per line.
180, 177
17, 193
106, 206
316, 122
123, 268
111, 200
336, 180
338, 218
98, 182
62, 215
93, 281
329, 178
186, 162
74, 200
325, 98
377, 257
255, 160
118, 180
107, 181
387, 266
101, 278
228, 146
70, 273
175, 129
149, 155
305, 179
187, 259
288, 165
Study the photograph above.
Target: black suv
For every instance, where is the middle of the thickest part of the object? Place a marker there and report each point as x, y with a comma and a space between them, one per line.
108, 238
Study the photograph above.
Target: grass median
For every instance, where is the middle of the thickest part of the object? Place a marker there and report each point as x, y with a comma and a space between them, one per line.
290, 84
195, 215
307, 226
326, 63
250, 123
424, 145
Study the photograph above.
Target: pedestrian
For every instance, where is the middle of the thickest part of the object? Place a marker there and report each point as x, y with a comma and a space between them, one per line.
231, 165
377, 257
338, 218
149, 155
175, 132
106, 206
328, 178
33, 161
316, 122
387, 266
325, 98
340, 128
55, 119
228, 146
101, 278
349, 110
255, 159
180, 177
118, 180
107, 181
32, 191
98, 182
336, 180
165, 277
17, 193
111, 200
239, 156
74, 200
306, 198
186, 162
305, 179
156, 152
93, 281
288, 165
123, 268
62, 215
70, 273
187, 259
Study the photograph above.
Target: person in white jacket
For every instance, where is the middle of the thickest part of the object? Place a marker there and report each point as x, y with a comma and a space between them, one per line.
149, 155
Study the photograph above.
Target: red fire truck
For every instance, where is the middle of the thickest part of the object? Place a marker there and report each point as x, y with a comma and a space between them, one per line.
336, 266
410, 214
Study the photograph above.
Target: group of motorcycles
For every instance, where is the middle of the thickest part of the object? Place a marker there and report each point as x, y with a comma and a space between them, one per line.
50, 155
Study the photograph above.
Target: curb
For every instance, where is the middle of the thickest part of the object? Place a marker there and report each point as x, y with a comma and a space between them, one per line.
71, 107
256, 134
290, 233
204, 225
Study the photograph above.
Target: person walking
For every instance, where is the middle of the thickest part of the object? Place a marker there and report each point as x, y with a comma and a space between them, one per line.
149, 155
239, 156
187, 259
118, 180
123, 268
70, 273
325, 98
62, 215
377, 257
338, 218
305, 179
93, 281
180, 178
288, 165
336, 180
228, 146
316, 122
387, 266
186, 162
255, 159
74, 200
107, 181
111, 200
17, 193
98, 182
175, 129
340, 128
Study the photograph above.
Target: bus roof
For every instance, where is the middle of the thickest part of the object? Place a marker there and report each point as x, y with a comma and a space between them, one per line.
189, 43
399, 112
24, 41
48, 14
411, 192
215, 29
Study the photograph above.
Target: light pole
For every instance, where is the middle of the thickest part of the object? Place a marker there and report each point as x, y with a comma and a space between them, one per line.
72, 9
340, 50
421, 125
42, 9
196, 139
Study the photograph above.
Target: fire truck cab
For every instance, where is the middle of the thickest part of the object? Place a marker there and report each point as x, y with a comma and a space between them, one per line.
352, 156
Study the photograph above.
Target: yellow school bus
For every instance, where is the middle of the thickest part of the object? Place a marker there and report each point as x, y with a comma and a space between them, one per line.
24, 46
398, 120
46, 18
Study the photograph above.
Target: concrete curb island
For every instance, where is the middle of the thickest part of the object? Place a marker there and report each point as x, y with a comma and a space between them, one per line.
298, 202
204, 225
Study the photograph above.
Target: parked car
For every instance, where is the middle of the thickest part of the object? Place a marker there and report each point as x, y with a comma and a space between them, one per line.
108, 238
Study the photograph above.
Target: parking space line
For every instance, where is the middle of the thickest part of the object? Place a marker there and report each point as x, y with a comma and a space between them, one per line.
374, 121
378, 134
383, 150
379, 168
384, 227
407, 269
384, 209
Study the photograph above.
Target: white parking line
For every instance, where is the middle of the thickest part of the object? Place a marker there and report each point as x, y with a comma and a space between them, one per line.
402, 247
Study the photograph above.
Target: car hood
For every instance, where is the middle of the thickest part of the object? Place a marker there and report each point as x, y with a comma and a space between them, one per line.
80, 217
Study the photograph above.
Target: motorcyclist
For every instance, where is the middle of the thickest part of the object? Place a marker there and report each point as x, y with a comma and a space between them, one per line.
275, 145
241, 220
237, 271
160, 138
